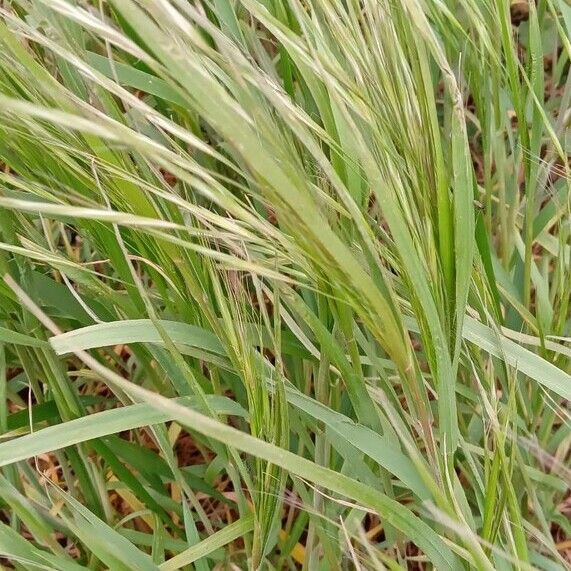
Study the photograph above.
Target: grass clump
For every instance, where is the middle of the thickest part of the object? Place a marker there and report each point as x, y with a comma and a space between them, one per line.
285, 285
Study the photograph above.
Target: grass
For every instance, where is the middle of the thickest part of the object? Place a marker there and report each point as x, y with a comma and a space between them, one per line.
285, 285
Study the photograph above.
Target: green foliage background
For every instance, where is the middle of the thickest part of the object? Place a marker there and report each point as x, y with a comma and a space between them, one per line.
323, 246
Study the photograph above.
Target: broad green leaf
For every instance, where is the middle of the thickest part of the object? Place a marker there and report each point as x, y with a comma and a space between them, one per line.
229, 533
518, 357
100, 424
7, 336
132, 77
